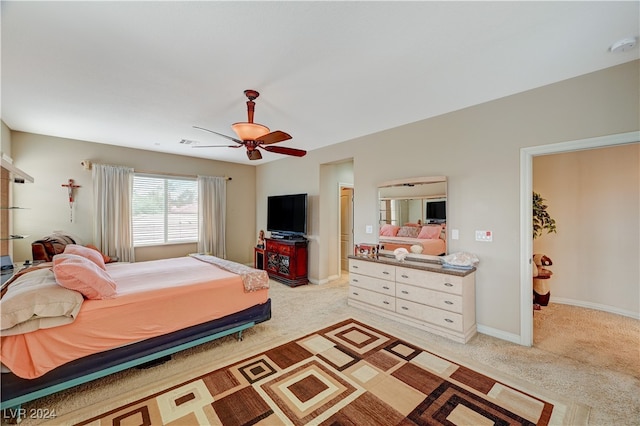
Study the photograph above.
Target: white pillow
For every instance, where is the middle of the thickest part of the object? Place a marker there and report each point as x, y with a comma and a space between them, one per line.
33, 296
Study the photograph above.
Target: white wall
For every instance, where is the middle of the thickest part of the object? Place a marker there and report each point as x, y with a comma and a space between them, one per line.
594, 196
478, 149
52, 161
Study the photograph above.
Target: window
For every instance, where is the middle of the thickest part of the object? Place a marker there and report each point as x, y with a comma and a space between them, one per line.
165, 210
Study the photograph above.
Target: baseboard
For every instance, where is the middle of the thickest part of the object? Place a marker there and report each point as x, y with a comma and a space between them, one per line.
596, 306
499, 334
324, 281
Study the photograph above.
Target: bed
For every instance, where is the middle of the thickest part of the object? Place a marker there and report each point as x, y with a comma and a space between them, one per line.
430, 237
137, 313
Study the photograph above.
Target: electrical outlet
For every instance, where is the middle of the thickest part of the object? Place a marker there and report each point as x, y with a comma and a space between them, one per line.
485, 236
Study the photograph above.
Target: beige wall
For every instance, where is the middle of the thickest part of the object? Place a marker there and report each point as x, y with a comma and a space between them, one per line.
478, 149
594, 196
5, 139
53, 161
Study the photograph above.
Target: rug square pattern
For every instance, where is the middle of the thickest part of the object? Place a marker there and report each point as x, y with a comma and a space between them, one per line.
348, 373
300, 403
357, 338
191, 398
450, 404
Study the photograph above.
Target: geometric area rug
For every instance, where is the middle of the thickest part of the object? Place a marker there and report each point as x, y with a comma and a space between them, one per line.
346, 374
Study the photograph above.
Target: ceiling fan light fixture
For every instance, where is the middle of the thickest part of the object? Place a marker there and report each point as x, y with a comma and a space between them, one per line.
249, 131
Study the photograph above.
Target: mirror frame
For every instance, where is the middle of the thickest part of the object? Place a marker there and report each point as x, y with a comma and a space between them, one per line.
410, 182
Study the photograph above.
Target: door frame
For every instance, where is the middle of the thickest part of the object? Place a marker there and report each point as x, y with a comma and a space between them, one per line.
340, 186
526, 215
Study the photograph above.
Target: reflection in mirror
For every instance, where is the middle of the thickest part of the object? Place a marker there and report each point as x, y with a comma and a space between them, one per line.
413, 215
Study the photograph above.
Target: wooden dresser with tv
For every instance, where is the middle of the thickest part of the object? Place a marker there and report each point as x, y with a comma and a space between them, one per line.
286, 260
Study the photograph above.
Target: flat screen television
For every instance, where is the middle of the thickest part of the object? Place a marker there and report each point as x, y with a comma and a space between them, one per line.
436, 211
287, 215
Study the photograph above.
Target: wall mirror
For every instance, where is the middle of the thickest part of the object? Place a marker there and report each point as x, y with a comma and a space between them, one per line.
413, 212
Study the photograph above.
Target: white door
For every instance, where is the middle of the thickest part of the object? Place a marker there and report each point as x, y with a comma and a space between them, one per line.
346, 226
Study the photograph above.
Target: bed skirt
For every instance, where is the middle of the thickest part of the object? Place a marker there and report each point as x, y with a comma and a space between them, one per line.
16, 390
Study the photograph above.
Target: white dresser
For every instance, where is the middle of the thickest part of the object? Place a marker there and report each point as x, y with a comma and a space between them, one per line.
421, 294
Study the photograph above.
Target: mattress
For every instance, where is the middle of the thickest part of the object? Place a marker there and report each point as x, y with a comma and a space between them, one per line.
153, 298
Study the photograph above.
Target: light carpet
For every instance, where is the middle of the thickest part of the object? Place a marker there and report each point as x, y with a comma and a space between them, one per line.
347, 373
614, 396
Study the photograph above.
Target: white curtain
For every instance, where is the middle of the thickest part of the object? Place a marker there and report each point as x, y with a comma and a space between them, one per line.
112, 192
212, 207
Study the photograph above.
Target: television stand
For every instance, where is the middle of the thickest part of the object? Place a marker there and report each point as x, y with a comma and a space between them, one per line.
286, 260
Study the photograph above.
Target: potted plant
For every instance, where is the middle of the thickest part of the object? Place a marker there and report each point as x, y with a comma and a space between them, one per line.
542, 221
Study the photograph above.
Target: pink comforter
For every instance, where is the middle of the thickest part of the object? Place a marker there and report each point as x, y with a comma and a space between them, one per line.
153, 298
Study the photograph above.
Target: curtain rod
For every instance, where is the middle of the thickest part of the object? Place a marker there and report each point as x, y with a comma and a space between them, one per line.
148, 172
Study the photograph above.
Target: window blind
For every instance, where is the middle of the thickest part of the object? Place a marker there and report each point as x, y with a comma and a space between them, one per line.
165, 210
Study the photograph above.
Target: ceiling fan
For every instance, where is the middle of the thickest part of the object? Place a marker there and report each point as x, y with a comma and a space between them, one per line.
253, 135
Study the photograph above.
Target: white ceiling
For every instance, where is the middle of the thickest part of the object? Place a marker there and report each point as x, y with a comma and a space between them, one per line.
141, 74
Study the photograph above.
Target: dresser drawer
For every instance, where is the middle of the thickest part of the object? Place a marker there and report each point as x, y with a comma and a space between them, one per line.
383, 301
432, 280
429, 314
437, 299
375, 284
372, 269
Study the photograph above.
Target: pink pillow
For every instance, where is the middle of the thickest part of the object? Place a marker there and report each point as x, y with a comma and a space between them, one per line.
86, 252
107, 259
388, 230
430, 232
79, 273
408, 231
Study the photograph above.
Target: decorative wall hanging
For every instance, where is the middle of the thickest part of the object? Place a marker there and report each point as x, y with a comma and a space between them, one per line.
70, 185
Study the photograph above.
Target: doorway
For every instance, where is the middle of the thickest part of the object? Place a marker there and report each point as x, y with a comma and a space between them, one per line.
346, 226
526, 238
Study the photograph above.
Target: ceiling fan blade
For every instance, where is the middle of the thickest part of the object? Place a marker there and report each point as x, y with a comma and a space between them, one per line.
254, 154
220, 134
285, 150
216, 146
273, 137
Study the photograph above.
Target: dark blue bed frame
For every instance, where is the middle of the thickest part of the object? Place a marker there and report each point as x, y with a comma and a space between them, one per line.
17, 391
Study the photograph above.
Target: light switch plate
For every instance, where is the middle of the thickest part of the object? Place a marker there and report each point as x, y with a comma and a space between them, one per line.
485, 236
455, 234
369, 229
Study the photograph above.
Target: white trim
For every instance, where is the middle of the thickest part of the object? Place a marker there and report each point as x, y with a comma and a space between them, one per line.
526, 239
499, 334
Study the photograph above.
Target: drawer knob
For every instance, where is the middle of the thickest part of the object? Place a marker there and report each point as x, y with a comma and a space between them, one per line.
355, 294
405, 276
405, 308
385, 272
448, 302
448, 320
354, 266
355, 280
385, 302
405, 292
385, 287
448, 284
